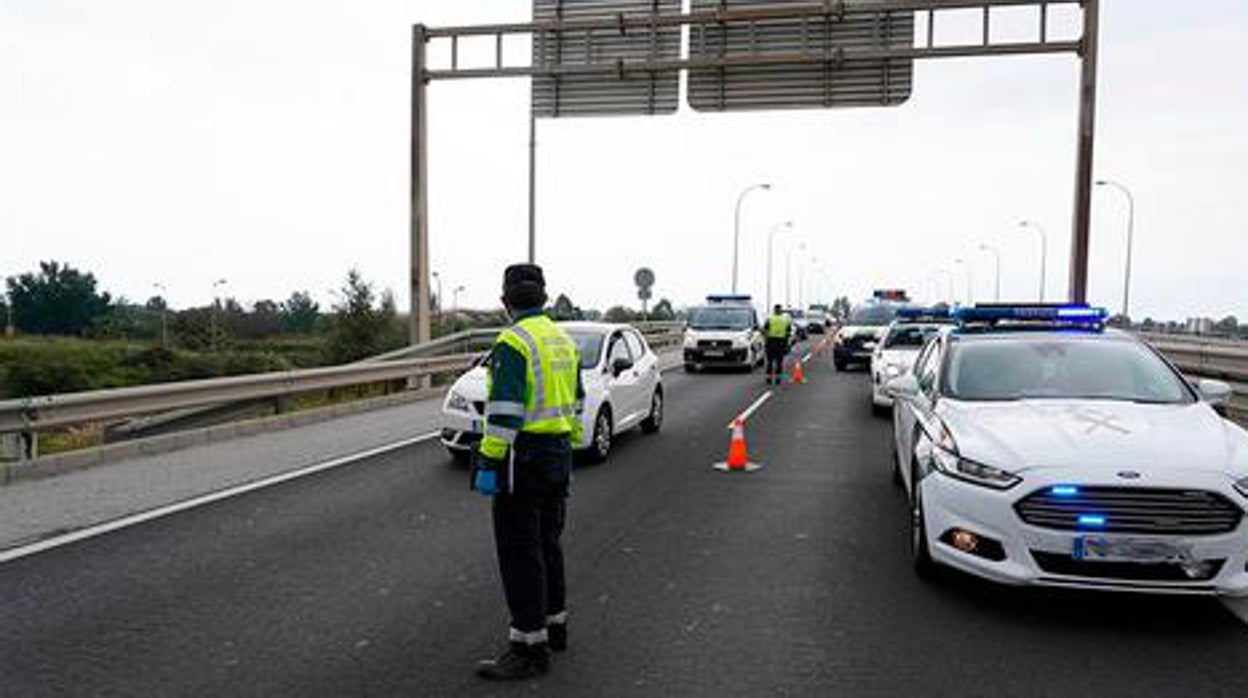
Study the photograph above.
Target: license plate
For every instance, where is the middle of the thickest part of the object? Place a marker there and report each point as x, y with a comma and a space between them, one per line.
713, 353
1129, 550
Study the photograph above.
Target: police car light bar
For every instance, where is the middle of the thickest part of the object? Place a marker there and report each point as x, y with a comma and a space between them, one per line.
729, 298
1066, 314
914, 313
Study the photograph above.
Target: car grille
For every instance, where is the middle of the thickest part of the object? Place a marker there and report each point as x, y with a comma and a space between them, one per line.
715, 343
1133, 510
1056, 563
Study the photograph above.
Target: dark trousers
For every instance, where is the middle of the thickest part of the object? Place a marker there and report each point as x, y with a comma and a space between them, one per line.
527, 526
776, 351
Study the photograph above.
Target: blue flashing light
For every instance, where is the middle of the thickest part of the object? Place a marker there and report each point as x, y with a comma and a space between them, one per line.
1064, 491
1072, 314
1091, 520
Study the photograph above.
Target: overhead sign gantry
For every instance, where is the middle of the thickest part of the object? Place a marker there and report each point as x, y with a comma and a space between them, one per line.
624, 57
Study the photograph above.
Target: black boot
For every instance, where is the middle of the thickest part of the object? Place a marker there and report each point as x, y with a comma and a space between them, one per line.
519, 662
558, 634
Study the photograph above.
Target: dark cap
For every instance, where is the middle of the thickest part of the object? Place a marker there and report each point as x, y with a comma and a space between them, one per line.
524, 286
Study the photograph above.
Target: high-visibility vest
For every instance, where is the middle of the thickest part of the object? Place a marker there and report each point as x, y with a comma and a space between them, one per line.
778, 327
552, 370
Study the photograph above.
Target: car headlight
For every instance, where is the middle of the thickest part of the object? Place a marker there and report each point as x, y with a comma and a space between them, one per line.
894, 370
690, 342
457, 403
741, 342
1242, 486
956, 466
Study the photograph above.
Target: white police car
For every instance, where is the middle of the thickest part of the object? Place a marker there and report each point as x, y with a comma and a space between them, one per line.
723, 333
894, 355
1039, 447
623, 389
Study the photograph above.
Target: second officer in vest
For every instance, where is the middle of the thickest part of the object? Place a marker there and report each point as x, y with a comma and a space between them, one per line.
532, 423
779, 331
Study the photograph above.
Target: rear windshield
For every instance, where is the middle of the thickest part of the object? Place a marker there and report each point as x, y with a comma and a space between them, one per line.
872, 315
721, 318
1057, 368
589, 345
909, 335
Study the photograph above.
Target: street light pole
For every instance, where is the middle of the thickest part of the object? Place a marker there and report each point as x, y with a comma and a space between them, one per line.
997, 256
771, 239
788, 275
164, 315
212, 316
1126, 282
941, 271
736, 229
1044, 251
438, 278
455, 302
970, 280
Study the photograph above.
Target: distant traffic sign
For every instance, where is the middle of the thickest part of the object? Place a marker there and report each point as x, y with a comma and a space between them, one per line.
644, 278
605, 93
852, 39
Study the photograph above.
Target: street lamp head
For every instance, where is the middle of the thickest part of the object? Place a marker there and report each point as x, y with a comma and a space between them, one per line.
1101, 182
765, 186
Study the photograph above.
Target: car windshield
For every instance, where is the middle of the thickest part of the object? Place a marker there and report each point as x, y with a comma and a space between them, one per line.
726, 318
1060, 368
872, 315
589, 345
909, 336
796, 314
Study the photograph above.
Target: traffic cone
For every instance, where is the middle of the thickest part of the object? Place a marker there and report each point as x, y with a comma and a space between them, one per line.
799, 376
737, 459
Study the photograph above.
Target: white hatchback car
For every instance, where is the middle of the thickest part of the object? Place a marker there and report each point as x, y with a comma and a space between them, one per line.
623, 389
1061, 453
895, 354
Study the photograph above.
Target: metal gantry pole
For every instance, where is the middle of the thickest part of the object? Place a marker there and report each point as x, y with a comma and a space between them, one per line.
532, 187
418, 319
1081, 232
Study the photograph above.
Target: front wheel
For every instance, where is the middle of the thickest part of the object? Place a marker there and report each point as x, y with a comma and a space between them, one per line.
600, 447
652, 423
920, 554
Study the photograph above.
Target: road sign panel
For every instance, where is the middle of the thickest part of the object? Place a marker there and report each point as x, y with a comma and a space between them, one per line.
845, 77
605, 93
644, 278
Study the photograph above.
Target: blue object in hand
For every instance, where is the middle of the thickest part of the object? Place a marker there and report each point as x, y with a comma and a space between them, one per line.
486, 482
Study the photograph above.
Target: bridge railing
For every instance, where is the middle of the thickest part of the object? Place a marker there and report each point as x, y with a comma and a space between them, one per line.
451, 354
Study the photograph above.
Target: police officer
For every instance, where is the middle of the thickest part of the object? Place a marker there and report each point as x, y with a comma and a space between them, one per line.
532, 422
779, 329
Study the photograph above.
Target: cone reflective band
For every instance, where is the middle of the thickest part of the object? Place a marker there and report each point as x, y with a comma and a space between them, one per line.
737, 460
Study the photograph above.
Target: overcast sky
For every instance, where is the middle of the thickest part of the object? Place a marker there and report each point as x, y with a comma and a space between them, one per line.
266, 142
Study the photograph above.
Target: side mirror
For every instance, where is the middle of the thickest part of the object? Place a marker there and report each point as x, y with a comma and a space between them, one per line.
1217, 394
621, 365
903, 387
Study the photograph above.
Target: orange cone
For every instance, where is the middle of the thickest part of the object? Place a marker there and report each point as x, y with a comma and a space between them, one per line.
737, 459
798, 375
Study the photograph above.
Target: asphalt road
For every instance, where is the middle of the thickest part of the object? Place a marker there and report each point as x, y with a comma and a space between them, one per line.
378, 579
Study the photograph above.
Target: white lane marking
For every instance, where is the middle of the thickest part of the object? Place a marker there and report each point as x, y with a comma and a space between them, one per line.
752, 408
806, 358
170, 509
1238, 607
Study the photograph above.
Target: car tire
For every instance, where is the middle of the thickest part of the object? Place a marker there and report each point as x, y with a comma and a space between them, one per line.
920, 554
600, 445
840, 365
654, 421
880, 410
691, 368
459, 456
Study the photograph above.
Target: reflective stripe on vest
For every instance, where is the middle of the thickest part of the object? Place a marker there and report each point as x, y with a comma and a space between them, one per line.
550, 400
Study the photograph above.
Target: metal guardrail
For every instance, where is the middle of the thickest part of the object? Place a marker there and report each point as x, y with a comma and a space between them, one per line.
1204, 357
28, 416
